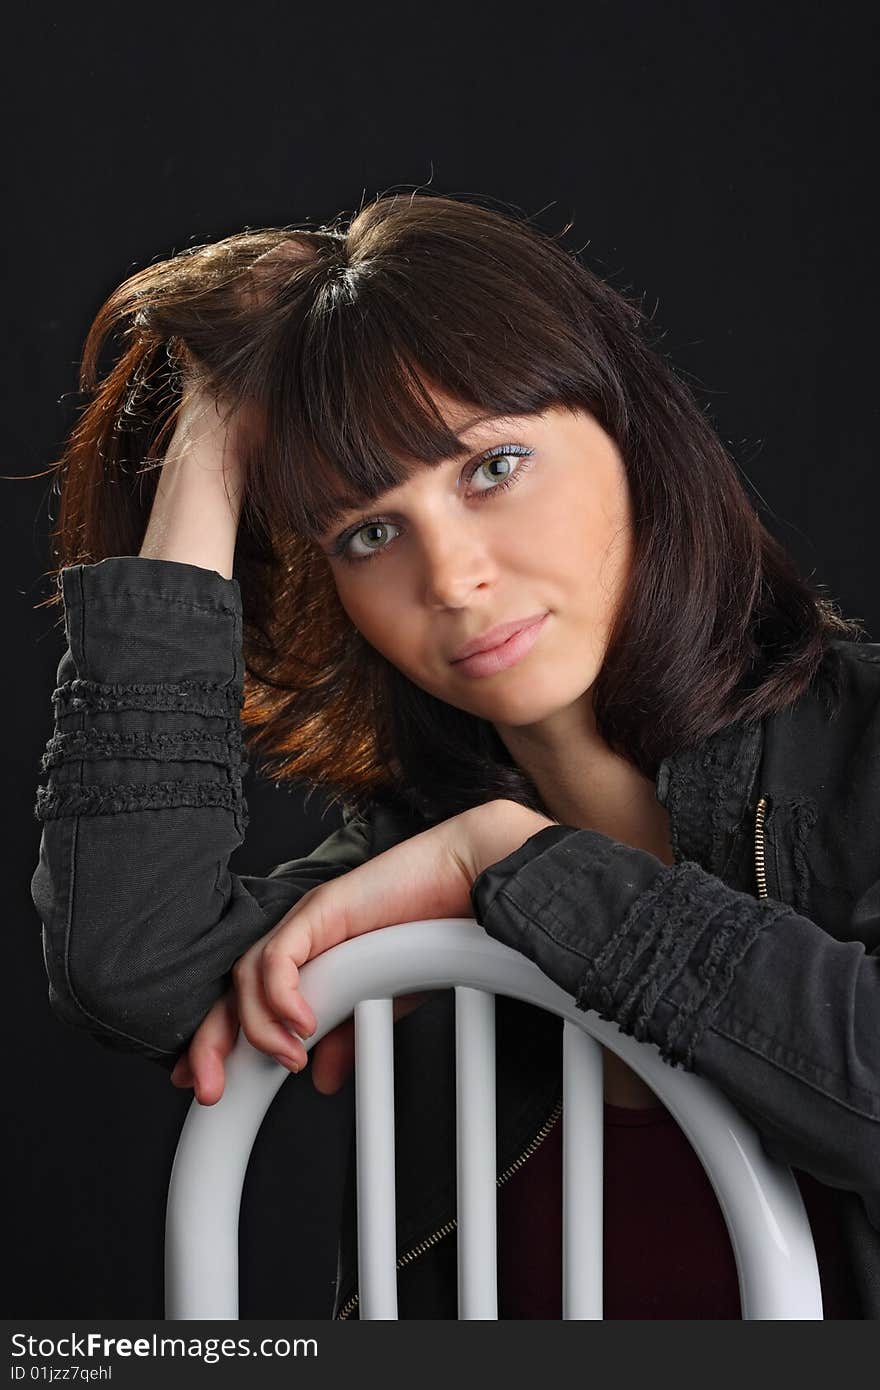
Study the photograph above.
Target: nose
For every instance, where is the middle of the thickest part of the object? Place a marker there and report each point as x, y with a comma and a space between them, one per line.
456, 561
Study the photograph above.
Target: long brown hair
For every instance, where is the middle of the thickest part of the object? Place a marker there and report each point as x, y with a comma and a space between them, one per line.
350, 323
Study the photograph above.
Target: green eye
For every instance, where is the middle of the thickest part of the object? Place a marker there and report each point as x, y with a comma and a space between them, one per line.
509, 479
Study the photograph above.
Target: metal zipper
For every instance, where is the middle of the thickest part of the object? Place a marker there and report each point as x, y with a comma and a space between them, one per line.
450, 1226
760, 868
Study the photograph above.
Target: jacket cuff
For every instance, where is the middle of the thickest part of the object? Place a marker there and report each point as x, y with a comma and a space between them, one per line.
148, 692
557, 898
120, 621
651, 947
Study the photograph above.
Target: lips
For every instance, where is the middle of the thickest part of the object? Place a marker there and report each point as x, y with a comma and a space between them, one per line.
494, 636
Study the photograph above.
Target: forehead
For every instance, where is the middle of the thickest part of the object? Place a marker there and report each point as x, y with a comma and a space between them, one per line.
472, 430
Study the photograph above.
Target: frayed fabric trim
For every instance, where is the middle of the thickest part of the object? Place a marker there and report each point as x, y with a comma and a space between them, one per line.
707, 791
805, 813
664, 926
191, 697
90, 799
189, 745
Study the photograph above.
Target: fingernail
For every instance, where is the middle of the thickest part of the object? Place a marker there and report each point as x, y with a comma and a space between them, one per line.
287, 1062
304, 1029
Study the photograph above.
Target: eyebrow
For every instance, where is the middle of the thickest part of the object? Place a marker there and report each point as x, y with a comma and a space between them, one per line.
346, 501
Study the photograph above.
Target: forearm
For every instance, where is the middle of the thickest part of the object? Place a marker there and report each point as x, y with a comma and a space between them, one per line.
144, 802
748, 993
192, 521
142, 917
195, 513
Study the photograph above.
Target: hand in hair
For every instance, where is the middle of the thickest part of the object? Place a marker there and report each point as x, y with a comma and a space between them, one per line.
428, 875
196, 509
197, 506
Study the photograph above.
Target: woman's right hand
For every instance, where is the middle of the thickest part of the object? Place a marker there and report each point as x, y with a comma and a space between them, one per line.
202, 1065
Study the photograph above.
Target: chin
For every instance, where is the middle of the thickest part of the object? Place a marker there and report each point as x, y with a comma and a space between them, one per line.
536, 701
518, 709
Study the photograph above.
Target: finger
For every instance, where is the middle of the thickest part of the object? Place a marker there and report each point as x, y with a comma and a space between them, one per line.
405, 1003
211, 1044
419, 878
333, 1059
259, 1023
270, 269
266, 957
300, 935
182, 1073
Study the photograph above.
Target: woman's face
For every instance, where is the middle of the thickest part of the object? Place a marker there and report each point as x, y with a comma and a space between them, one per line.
454, 552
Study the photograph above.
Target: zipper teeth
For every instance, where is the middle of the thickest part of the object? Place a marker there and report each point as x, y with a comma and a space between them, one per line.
760, 866
450, 1226
536, 1143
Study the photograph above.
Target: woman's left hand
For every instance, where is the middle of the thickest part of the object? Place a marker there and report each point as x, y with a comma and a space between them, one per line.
429, 875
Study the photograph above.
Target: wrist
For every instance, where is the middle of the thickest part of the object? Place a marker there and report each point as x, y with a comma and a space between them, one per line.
500, 828
194, 517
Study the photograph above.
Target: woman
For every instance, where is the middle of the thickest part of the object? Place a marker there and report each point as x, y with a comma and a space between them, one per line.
659, 788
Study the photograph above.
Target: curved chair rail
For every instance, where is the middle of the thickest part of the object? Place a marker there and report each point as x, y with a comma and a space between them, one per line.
759, 1198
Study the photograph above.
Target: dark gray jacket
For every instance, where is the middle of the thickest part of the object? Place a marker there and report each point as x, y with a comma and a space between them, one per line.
753, 961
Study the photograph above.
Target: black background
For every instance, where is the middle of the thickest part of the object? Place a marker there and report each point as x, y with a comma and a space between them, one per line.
717, 159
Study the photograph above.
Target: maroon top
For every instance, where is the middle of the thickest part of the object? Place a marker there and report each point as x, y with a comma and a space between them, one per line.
667, 1253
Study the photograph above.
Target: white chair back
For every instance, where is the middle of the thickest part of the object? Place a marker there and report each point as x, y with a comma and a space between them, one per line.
759, 1198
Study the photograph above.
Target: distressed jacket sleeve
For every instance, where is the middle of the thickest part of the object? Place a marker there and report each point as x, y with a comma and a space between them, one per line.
142, 919
746, 992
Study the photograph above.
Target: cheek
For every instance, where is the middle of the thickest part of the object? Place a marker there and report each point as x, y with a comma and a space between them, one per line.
372, 611
584, 548
565, 539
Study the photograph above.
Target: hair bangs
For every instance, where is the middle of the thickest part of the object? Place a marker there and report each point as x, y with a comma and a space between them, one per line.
355, 412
